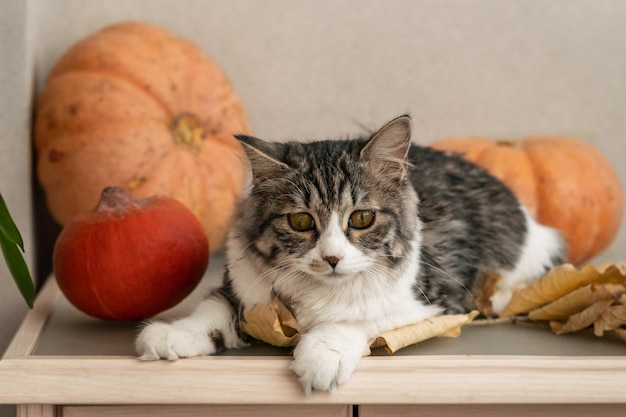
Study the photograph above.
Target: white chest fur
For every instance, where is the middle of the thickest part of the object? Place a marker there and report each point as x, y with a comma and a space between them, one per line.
375, 301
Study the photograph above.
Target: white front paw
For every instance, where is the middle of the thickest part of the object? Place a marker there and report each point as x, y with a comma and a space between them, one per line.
160, 340
323, 361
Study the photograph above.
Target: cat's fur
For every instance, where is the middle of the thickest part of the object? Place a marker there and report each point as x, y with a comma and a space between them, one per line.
439, 221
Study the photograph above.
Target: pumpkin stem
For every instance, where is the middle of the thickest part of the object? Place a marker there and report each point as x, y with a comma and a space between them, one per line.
187, 130
115, 199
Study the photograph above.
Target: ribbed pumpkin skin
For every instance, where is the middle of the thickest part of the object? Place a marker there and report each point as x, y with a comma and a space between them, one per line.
134, 106
565, 183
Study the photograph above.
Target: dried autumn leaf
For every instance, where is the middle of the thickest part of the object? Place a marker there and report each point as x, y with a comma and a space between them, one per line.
621, 267
612, 318
556, 326
275, 324
483, 291
558, 282
583, 319
577, 301
446, 325
272, 323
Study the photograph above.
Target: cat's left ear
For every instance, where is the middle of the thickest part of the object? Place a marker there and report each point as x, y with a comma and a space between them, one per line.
264, 157
387, 150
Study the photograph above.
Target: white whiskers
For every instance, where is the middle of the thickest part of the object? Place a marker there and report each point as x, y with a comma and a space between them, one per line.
458, 281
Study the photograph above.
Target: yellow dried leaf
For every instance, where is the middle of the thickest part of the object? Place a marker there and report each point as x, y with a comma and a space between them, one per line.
556, 326
272, 323
452, 333
585, 318
288, 323
577, 301
275, 324
613, 318
558, 282
621, 267
446, 325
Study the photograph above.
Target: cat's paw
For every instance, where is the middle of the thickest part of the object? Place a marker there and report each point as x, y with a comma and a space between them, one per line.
324, 361
172, 341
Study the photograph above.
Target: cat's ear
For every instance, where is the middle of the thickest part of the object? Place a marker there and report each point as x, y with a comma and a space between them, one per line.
264, 157
387, 150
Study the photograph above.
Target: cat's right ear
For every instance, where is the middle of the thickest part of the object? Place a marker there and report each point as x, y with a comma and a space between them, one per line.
387, 150
264, 157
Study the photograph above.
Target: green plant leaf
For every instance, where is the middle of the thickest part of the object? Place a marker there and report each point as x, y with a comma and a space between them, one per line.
18, 269
7, 226
11, 243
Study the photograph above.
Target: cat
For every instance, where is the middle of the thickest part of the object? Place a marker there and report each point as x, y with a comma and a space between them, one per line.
359, 237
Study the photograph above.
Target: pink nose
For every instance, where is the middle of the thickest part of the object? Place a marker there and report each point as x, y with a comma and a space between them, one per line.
332, 260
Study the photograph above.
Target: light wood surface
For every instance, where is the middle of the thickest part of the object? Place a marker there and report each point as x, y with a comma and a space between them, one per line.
27, 337
85, 385
38, 410
504, 410
267, 380
219, 410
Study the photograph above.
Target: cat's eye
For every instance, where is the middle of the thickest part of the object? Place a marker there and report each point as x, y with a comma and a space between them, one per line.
361, 219
301, 222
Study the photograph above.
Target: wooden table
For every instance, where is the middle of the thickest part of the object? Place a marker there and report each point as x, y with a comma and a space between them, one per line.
63, 363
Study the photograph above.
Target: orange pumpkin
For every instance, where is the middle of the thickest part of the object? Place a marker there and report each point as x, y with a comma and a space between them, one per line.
564, 183
134, 106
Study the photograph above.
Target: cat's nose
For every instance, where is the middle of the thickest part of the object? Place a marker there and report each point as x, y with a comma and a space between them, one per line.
332, 260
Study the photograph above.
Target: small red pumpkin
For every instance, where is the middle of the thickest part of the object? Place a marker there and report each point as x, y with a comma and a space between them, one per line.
128, 259
563, 182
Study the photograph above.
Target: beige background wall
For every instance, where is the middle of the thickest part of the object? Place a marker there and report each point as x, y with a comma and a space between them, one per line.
15, 162
317, 69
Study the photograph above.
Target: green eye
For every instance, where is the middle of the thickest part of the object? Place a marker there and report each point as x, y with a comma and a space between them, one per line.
361, 219
301, 222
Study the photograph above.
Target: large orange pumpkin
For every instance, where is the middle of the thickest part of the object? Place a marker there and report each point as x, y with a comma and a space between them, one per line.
564, 183
134, 106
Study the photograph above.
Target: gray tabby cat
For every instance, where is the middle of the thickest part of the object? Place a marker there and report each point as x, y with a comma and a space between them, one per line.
359, 237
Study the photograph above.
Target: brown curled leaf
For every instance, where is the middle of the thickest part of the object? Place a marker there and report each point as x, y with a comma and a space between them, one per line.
585, 318
446, 325
558, 282
621, 267
271, 323
556, 326
613, 318
577, 301
275, 324
621, 332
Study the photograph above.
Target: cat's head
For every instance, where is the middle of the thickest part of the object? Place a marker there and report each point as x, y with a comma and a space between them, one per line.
332, 210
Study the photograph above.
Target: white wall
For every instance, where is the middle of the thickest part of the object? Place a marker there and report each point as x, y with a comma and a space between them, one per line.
326, 68
16, 80
15, 156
